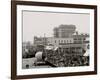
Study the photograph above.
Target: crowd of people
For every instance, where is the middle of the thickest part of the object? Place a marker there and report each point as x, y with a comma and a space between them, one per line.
60, 59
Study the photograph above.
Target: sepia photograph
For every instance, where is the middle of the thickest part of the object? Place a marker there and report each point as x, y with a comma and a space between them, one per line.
55, 39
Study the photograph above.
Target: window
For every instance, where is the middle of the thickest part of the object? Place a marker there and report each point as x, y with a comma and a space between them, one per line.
70, 41
55, 41
84, 39
64, 41
67, 41
61, 41
75, 38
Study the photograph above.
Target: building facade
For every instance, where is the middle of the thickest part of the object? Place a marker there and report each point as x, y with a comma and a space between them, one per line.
58, 41
67, 38
40, 41
70, 45
64, 31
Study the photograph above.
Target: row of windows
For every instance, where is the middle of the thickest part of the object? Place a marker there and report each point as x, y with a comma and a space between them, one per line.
79, 39
63, 41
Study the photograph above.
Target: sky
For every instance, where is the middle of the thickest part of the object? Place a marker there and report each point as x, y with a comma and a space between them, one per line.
40, 23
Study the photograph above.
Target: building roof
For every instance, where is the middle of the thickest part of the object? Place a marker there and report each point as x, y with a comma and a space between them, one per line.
62, 26
81, 35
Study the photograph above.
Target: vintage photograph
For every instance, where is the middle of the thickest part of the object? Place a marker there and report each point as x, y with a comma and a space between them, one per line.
55, 39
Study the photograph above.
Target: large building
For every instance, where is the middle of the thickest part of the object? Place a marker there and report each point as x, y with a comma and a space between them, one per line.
75, 44
81, 38
67, 38
40, 41
64, 31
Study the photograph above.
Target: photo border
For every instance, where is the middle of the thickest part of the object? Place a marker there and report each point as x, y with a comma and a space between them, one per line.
14, 38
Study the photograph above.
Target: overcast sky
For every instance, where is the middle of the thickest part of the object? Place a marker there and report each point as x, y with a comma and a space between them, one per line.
40, 23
